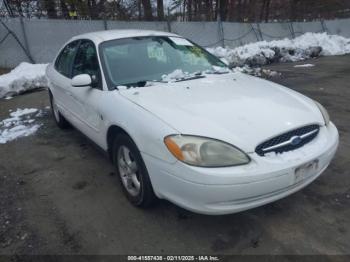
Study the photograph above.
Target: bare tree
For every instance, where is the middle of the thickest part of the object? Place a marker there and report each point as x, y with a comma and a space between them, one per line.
189, 10
147, 7
267, 10
50, 7
160, 10
186, 10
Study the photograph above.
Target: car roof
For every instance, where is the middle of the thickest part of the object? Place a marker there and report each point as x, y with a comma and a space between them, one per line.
106, 35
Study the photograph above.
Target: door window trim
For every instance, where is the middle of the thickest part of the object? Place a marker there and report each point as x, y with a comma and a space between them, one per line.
74, 55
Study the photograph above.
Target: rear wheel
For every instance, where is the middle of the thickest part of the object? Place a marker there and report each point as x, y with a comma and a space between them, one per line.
132, 172
59, 119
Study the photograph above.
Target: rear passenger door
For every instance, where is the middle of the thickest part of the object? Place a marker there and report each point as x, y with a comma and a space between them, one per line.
86, 99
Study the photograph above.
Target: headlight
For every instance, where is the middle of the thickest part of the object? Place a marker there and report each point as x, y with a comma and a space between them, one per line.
204, 152
324, 113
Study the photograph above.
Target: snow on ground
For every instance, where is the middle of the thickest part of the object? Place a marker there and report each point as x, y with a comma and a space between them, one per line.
305, 65
21, 122
23, 78
306, 46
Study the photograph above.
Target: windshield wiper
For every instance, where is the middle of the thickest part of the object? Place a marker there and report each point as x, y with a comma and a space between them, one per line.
218, 71
189, 78
141, 83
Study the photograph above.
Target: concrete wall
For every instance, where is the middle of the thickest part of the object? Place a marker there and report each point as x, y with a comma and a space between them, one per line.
45, 37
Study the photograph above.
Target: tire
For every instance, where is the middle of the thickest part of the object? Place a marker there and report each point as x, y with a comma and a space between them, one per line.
132, 172
59, 119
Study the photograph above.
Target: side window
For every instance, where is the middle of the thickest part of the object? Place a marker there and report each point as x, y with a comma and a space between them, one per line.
64, 61
86, 62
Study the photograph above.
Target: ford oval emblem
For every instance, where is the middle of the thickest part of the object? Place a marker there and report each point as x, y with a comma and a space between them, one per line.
295, 140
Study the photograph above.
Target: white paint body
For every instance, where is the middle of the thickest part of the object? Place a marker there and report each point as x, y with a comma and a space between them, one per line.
236, 108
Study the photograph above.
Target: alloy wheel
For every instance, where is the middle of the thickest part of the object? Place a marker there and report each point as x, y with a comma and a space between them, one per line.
128, 171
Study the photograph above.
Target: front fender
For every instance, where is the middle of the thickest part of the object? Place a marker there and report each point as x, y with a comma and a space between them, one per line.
144, 128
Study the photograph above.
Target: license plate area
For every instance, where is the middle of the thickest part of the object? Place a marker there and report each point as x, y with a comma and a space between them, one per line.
306, 170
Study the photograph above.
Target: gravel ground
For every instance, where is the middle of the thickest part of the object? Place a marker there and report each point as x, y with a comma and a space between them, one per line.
60, 195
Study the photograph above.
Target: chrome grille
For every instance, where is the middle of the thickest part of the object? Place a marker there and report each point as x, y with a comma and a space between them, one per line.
288, 141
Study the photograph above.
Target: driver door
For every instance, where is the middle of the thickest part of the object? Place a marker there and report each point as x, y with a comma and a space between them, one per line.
86, 99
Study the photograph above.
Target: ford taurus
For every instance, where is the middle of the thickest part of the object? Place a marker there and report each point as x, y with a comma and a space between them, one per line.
178, 124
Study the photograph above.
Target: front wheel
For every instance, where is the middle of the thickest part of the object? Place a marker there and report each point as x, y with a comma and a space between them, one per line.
132, 172
59, 119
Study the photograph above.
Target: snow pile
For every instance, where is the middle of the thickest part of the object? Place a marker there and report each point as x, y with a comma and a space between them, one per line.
178, 74
257, 71
175, 75
303, 47
21, 123
217, 70
23, 78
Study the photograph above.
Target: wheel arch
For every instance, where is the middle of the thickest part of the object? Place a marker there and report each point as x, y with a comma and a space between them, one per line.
112, 132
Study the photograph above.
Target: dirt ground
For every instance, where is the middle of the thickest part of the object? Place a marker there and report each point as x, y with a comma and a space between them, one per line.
4, 70
60, 195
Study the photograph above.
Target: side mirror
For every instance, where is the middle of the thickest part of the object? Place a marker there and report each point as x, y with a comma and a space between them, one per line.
81, 80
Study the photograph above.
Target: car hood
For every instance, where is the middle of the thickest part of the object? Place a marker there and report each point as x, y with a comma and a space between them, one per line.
235, 108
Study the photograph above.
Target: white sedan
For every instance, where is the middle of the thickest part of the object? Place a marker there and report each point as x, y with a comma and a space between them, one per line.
179, 125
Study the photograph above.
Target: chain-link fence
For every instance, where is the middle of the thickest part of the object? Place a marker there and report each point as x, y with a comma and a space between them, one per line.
38, 40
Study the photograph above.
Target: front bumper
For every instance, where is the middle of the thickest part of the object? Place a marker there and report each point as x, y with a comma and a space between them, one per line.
233, 189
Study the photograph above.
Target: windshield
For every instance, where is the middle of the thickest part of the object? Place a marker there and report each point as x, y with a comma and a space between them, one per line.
134, 61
